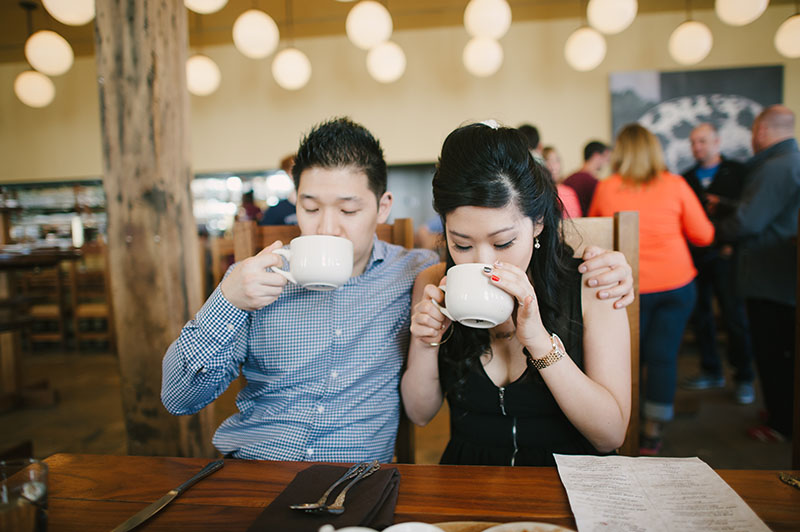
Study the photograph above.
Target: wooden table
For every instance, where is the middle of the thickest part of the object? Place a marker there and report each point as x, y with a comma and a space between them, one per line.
97, 492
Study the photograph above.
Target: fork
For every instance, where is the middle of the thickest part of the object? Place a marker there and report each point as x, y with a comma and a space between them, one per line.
338, 505
350, 473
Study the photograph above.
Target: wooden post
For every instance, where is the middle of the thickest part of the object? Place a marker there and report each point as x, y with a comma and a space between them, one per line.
152, 237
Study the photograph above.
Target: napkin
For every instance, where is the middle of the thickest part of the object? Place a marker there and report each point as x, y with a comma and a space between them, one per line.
369, 503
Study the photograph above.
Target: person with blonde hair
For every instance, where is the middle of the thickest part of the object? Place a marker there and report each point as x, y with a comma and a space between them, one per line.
669, 213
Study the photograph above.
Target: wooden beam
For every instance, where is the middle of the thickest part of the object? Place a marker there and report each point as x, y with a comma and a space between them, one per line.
152, 237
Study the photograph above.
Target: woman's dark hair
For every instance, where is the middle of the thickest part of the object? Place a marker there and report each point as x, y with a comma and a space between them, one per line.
482, 166
340, 143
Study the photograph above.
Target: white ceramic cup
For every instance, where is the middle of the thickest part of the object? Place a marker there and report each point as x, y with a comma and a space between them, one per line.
318, 262
472, 300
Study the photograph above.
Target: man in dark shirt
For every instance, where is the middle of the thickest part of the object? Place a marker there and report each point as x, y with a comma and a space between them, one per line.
285, 211
765, 226
595, 158
718, 183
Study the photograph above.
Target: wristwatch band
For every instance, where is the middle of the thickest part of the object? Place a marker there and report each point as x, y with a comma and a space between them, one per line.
556, 353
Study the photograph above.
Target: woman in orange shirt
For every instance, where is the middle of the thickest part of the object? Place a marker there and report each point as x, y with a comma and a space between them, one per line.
669, 213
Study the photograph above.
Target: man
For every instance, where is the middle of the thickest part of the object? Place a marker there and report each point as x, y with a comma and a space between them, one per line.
595, 158
718, 183
322, 368
765, 225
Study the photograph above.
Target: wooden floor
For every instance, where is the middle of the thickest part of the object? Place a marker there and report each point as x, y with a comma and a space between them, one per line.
88, 417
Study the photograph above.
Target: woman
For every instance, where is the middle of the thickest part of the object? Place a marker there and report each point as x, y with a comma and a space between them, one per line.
669, 213
567, 195
500, 208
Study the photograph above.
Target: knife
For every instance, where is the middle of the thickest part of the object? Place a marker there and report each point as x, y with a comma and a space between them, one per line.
152, 509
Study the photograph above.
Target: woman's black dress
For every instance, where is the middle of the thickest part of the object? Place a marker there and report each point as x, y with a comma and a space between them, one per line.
520, 423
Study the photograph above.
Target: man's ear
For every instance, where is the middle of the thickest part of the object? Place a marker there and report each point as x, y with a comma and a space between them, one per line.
384, 207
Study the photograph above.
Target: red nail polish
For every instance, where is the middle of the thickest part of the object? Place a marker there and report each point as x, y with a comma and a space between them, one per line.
495, 278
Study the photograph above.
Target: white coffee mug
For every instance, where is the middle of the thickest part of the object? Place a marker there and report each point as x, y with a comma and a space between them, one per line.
472, 300
318, 262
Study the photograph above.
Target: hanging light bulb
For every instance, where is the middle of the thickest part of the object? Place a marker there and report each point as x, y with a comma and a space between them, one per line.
739, 12
611, 16
49, 53
487, 18
368, 24
585, 49
70, 12
482, 56
386, 62
291, 69
690, 43
202, 75
255, 34
787, 38
34, 89
204, 7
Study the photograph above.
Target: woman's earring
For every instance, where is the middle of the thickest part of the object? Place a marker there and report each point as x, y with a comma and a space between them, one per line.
536, 243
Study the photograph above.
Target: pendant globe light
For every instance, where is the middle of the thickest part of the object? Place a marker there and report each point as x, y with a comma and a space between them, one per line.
49, 53
368, 24
70, 12
202, 75
739, 12
482, 56
204, 7
34, 89
487, 18
585, 49
386, 62
291, 67
690, 43
787, 38
611, 16
255, 34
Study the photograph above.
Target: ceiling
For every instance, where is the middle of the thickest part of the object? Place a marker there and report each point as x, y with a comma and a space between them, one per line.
309, 18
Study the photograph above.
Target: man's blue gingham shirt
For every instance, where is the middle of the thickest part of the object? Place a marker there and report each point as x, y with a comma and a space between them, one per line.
322, 368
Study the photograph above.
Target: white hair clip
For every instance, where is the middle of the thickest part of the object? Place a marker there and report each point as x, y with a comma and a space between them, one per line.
492, 123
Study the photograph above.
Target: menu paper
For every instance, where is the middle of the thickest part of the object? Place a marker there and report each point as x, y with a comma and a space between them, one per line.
609, 493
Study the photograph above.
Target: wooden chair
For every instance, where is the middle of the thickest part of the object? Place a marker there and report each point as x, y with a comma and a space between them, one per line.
620, 233
91, 296
249, 239
44, 290
222, 257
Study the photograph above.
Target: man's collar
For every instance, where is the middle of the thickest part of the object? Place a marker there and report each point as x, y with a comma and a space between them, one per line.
777, 148
379, 251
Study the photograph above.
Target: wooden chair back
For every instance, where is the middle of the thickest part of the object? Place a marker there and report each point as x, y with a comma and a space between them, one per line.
44, 289
221, 257
620, 233
249, 239
92, 310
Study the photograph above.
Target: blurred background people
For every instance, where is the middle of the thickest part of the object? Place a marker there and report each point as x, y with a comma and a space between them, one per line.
285, 211
567, 195
718, 183
765, 226
248, 209
595, 158
669, 212
531, 134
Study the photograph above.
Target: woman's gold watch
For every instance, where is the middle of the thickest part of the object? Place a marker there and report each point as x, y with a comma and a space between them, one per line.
556, 353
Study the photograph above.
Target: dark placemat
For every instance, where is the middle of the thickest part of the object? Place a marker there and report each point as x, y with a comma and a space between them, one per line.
369, 503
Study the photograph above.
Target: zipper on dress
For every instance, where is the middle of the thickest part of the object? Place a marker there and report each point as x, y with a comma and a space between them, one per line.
502, 393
